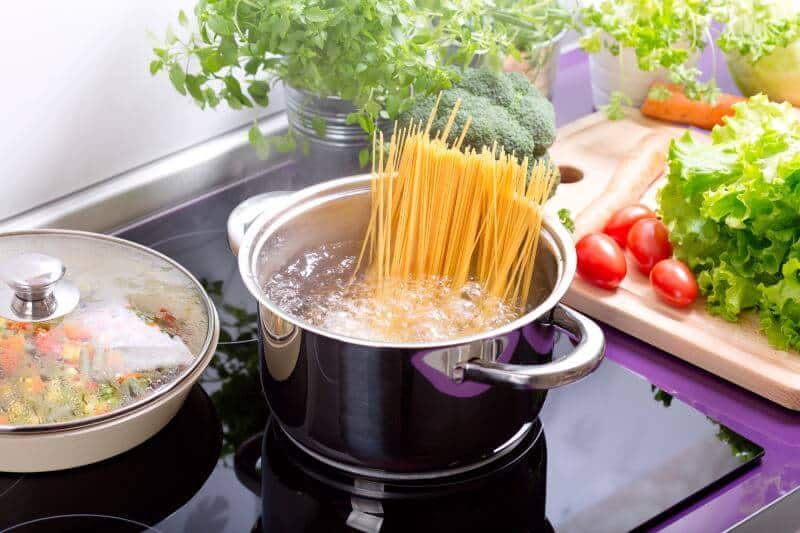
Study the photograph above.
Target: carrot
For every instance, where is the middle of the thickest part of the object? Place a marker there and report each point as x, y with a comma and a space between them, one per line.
678, 108
124, 377
35, 384
76, 332
12, 350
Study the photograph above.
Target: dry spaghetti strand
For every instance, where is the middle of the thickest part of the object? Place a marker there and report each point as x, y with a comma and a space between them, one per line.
438, 212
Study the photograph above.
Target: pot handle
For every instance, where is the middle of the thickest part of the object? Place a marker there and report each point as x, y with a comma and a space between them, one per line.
244, 214
578, 364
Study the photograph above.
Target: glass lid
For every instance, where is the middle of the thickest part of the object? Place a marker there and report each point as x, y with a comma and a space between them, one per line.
92, 326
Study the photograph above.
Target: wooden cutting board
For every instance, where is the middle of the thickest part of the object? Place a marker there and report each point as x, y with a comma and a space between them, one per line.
740, 353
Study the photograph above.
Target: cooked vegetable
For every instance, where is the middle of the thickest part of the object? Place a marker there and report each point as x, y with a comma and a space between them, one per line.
733, 211
648, 242
61, 370
505, 109
673, 282
621, 221
670, 103
601, 261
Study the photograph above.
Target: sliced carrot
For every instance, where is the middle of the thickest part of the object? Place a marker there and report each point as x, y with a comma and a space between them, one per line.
19, 326
677, 107
47, 342
12, 350
75, 331
35, 384
71, 352
124, 377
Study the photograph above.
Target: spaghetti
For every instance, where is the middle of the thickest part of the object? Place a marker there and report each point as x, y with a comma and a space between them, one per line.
438, 212
449, 248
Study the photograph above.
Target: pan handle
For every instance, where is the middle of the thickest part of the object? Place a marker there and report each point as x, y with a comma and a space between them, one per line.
576, 365
244, 214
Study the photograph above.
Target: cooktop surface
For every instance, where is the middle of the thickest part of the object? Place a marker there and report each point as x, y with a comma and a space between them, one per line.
611, 453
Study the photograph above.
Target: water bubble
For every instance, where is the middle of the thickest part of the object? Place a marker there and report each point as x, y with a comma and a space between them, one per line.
316, 287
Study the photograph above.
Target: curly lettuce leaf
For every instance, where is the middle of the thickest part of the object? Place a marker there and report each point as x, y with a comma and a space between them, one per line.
733, 210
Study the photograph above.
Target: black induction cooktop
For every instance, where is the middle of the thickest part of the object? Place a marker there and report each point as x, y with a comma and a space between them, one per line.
611, 453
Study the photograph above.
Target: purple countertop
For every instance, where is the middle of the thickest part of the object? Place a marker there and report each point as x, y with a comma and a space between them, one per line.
774, 428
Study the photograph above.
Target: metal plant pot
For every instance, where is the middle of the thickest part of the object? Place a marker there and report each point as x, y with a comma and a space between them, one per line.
329, 150
413, 410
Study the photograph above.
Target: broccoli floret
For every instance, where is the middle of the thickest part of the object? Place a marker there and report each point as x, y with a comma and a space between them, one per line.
505, 108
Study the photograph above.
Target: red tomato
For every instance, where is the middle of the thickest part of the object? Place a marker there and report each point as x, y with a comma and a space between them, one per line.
601, 261
620, 222
648, 241
674, 282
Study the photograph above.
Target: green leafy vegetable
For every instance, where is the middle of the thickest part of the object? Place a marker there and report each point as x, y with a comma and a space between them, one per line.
505, 108
667, 34
566, 219
663, 34
613, 109
733, 210
755, 28
378, 54
532, 22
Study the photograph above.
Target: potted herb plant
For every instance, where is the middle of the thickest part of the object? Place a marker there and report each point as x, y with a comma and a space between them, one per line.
762, 44
634, 43
346, 64
537, 28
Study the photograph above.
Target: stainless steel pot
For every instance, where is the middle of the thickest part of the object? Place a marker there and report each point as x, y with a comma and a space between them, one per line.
410, 410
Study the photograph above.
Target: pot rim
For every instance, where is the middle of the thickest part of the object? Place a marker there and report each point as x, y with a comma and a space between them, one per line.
199, 362
266, 224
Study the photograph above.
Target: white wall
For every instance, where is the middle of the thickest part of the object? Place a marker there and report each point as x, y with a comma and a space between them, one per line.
77, 102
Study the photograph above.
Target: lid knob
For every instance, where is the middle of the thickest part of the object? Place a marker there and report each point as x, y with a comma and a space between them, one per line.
33, 278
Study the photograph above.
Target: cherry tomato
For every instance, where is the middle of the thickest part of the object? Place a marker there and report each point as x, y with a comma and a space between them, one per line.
674, 282
601, 261
620, 222
648, 241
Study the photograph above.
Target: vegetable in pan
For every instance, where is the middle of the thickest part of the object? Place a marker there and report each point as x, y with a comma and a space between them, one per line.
62, 370
733, 211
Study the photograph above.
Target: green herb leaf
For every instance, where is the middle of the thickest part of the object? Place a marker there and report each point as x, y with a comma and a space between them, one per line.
211, 97
658, 93
258, 141
182, 19
177, 76
613, 109
221, 25
319, 126
193, 84
259, 91
566, 219
363, 157
155, 66
235, 91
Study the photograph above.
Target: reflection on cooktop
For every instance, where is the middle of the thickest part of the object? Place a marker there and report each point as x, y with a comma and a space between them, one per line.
300, 494
141, 486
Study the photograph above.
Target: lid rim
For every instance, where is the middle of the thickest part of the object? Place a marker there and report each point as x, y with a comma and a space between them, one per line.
204, 354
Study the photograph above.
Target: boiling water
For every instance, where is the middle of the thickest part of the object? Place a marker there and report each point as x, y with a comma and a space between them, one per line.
317, 287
